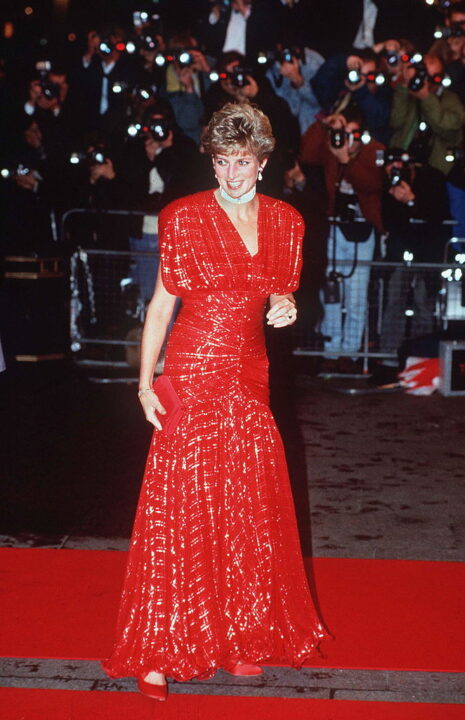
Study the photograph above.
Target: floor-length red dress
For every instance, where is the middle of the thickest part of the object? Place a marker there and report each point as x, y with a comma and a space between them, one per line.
215, 571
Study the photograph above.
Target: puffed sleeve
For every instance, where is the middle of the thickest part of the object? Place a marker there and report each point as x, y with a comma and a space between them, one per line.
288, 250
172, 243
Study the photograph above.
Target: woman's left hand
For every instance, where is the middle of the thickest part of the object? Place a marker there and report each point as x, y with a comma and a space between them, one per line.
282, 313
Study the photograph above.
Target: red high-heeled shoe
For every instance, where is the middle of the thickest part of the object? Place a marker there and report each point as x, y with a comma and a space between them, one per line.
156, 692
243, 669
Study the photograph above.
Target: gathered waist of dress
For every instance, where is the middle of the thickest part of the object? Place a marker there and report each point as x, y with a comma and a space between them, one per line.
214, 295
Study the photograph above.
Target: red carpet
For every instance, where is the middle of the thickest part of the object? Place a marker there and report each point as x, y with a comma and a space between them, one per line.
22, 704
385, 614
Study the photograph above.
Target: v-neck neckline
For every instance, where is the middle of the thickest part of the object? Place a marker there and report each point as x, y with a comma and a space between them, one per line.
239, 236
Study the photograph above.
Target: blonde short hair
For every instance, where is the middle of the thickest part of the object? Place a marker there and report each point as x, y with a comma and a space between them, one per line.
236, 127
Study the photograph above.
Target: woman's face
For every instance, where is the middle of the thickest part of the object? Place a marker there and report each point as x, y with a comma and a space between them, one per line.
237, 172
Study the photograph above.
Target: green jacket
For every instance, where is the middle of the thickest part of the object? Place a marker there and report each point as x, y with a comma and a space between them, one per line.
444, 114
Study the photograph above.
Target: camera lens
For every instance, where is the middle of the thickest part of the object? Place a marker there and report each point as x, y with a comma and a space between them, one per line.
354, 76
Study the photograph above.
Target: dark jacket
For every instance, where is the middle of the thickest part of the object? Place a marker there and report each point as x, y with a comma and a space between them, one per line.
176, 165
361, 172
426, 241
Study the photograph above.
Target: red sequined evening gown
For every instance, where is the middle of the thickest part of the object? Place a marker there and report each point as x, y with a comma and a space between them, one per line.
215, 572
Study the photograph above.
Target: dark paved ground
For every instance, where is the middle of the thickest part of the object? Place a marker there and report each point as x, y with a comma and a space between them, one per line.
374, 475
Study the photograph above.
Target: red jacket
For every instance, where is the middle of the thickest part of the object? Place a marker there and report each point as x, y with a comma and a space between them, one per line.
362, 173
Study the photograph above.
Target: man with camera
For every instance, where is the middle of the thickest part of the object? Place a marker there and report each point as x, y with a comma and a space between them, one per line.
159, 165
95, 105
290, 76
32, 187
187, 81
353, 190
356, 78
426, 118
411, 192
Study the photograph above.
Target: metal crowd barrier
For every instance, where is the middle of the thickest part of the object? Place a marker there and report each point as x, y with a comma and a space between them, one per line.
393, 302
403, 300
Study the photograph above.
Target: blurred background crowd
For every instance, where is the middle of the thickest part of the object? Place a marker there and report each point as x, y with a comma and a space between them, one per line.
104, 105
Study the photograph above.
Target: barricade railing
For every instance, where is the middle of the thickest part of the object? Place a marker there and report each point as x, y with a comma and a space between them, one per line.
400, 301
393, 302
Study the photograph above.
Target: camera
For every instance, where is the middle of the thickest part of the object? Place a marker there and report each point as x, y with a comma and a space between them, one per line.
385, 157
106, 46
238, 76
6, 173
397, 175
392, 57
455, 30
417, 81
96, 156
183, 57
158, 128
141, 92
338, 136
288, 54
148, 42
49, 89
454, 154
378, 78
140, 18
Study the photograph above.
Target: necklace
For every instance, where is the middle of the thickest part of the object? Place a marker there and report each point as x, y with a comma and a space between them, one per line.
247, 197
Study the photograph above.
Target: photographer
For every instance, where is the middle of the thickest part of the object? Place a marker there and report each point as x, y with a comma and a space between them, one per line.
426, 116
449, 48
31, 189
356, 78
157, 167
290, 77
411, 191
186, 83
353, 188
94, 105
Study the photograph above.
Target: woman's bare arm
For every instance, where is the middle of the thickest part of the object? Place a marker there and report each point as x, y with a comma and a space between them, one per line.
159, 312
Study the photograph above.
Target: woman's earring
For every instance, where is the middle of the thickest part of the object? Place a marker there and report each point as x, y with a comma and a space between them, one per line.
260, 176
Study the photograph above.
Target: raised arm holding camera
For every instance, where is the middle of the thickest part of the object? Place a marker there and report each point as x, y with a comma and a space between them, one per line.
290, 77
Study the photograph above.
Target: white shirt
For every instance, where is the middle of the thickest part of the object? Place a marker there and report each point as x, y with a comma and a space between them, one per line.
156, 184
365, 35
235, 32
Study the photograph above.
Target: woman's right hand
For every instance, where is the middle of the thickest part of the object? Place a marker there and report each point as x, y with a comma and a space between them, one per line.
151, 405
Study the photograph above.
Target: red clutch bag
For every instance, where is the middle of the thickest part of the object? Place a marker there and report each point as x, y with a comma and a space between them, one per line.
169, 398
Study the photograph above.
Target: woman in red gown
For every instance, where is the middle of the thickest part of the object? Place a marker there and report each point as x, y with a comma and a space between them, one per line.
215, 577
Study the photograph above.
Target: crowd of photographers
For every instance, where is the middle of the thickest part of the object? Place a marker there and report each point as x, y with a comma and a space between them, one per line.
369, 132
